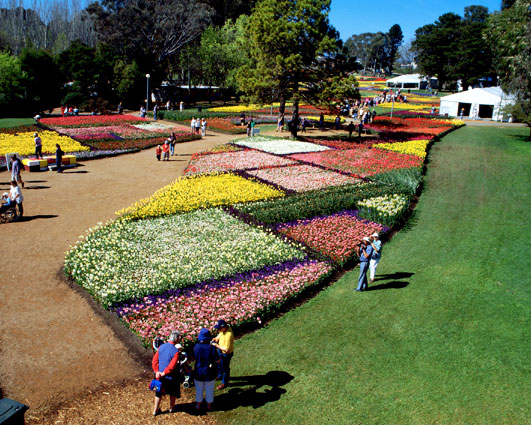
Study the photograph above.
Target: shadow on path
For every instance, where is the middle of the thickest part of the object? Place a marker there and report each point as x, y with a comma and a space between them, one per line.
248, 391
35, 217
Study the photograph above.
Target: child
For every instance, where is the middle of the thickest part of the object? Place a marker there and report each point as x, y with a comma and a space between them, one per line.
166, 150
158, 151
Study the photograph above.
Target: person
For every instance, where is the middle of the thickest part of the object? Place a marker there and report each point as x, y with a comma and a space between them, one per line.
462, 114
181, 106
76, 111
321, 121
155, 110
224, 342
197, 125
158, 152
168, 105
165, 364
252, 127
338, 122
304, 123
364, 252
249, 129
280, 123
206, 356
7, 203
142, 112
172, 140
360, 128
59, 158
166, 151
203, 127
192, 125
242, 119
350, 128
120, 108
376, 244
373, 115
16, 168
38, 145
16, 196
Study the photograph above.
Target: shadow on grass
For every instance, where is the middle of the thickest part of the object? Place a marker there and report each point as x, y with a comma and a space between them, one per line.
248, 391
396, 284
397, 275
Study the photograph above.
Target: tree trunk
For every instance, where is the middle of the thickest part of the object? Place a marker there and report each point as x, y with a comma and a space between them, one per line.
295, 119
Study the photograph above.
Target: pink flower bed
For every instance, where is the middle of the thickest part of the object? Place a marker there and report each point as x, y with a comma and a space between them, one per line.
301, 178
335, 236
124, 130
90, 120
361, 162
242, 160
238, 300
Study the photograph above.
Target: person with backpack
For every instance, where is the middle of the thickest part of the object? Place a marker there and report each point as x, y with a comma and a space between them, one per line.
165, 364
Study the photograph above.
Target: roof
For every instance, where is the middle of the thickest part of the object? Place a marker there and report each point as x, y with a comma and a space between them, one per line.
486, 96
408, 78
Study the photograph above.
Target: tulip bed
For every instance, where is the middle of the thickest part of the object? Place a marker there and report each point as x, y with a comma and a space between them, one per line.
90, 120
131, 259
23, 143
251, 225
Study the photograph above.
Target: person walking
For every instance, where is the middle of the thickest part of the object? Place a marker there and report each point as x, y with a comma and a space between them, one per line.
203, 127
280, 123
59, 158
224, 342
350, 129
16, 168
172, 140
181, 106
197, 125
16, 196
155, 110
166, 151
165, 364
364, 252
38, 145
304, 123
192, 125
360, 128
376, 244
321, 121
158, 152
205, 370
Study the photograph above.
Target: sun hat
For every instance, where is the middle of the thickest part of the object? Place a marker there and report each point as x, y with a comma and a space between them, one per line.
204, 335
221, 324
5, 194
366, 239
375, 234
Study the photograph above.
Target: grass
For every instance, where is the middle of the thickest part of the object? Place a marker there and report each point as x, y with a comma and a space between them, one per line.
445, 340
15, 122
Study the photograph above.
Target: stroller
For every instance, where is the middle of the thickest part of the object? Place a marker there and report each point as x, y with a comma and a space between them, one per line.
7, 212
185, 371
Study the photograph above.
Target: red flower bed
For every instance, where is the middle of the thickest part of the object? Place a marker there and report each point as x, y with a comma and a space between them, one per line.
139, 143
90, 120
360, 162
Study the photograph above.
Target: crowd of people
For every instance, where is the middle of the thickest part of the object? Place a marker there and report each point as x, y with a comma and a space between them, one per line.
211, 357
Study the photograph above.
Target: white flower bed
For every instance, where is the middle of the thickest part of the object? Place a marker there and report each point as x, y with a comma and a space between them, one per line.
153, 126
280, 146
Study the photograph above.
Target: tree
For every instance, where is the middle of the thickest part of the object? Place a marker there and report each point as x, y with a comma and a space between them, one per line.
407, 57
129, 82
358, 47
295, 54
42, 79
229, 9
506, 4
222, 52
394, 40
11, 85
150, 32
452, 48
509, 33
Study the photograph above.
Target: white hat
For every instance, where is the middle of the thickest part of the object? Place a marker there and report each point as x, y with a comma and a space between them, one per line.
5, 194
375, 234
366, 239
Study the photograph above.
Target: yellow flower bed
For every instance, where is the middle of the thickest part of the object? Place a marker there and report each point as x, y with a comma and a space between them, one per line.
246, 108
407, 105
413, 147
191, 193
23, 143
327, 118
456, 122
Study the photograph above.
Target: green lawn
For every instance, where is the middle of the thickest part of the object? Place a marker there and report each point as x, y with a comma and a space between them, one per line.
445, 341
15, 122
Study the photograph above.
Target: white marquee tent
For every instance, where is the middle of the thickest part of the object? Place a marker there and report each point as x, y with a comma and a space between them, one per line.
410, 81
477, 103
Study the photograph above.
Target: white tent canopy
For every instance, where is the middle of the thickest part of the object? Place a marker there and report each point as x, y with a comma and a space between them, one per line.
477, 103
410, 81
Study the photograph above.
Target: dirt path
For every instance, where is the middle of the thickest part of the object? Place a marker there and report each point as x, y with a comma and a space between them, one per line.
53, 346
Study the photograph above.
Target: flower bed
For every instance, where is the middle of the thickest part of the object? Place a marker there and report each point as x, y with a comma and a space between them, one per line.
361, 162
131, 259
230, 161
383, 209
279, 146
301, 178
413, 147
240, 299
23, 143
335, 236
190, 193
90, 120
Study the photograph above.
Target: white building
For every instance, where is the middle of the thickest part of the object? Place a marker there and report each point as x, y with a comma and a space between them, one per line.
477, 103
411, 81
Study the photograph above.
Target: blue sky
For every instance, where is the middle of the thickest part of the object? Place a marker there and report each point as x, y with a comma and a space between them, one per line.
355, 17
